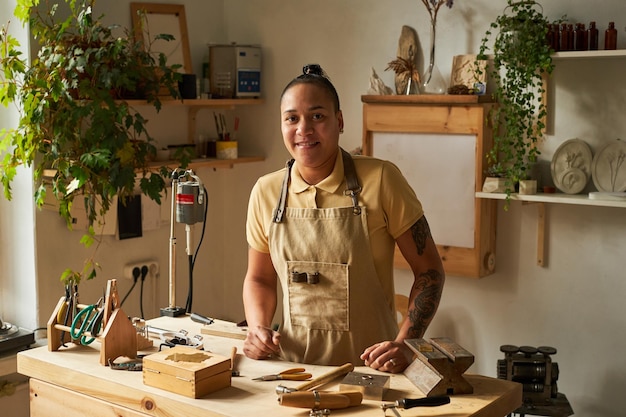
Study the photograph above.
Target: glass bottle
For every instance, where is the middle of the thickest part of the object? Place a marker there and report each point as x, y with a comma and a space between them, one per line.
593, 36
610, 37
580, 38
570, 36
564, 37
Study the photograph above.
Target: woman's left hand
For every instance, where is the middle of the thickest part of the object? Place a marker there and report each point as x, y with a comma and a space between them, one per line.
388, 356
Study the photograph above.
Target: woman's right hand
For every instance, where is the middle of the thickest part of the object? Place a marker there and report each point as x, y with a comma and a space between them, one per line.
261, 342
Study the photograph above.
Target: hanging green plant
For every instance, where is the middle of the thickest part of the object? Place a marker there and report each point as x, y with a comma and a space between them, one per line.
74, 120
521, 60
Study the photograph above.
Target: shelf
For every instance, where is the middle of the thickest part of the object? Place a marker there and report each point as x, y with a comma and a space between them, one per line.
202, 103
557, 198
195, 105
616, 53
443, 99
208, 162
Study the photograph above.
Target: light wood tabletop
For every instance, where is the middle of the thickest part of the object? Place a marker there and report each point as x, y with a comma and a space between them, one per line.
71, 382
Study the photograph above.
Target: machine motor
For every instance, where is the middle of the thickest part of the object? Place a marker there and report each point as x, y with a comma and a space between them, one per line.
190, 202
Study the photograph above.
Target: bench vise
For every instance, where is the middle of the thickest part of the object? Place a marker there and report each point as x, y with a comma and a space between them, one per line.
438, 367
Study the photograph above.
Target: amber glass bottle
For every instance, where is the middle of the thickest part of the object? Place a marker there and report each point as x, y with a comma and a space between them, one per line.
593, 36
610, 37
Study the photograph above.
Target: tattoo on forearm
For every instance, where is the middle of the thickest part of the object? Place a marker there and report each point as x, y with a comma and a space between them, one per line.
420, 231
429, 287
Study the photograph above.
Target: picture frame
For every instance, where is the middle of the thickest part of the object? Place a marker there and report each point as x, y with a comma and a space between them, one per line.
168, 19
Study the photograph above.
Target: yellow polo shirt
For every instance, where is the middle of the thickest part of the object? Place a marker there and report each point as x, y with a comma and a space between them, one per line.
391, 205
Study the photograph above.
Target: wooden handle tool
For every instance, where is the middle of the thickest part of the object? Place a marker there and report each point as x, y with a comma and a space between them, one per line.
321, 399
233, 357
318, 381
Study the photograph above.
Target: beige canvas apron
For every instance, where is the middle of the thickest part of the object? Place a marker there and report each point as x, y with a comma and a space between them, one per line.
333, 304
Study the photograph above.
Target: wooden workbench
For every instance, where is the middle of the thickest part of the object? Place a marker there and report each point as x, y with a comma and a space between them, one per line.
72, 383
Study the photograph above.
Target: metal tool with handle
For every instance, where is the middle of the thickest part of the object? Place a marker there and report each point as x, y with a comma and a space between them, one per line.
407, 403
318, 381
293, 374
321, 399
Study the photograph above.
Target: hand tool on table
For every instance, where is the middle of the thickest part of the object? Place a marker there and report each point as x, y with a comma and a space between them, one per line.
293, 374
198, 318
88, 320
318, 381
233, 358
321, 399
407, 403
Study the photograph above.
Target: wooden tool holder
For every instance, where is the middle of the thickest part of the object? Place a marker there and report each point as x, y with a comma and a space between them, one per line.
118, 337
438, 367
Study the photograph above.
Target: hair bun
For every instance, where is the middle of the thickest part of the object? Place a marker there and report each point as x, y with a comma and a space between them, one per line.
313, 69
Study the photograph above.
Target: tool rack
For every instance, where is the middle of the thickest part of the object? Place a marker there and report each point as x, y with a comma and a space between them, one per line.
118, 337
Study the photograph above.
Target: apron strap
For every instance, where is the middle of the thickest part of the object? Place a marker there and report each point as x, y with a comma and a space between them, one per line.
353, 187
352, 182
282, 201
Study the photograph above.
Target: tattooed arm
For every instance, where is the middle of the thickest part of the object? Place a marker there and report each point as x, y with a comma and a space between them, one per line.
418, 248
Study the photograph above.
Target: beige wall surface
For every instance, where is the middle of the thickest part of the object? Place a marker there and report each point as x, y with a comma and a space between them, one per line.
574, 303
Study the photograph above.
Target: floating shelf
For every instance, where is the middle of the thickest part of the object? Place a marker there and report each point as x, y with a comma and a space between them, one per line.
208, 162
615, 53
557, 198
201, 103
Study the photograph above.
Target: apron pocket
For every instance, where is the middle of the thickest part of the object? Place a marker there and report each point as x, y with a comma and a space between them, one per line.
319, 301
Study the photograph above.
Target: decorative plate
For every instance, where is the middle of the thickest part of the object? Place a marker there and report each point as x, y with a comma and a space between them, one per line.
571, 166
608, 169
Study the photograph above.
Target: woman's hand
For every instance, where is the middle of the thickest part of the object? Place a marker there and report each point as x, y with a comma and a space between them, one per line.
388, 356
261, 342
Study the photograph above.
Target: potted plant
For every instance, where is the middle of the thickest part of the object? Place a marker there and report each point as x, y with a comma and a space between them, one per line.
521, 60
74, 121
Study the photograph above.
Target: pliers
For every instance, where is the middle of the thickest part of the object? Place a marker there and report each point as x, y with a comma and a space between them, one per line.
293, 374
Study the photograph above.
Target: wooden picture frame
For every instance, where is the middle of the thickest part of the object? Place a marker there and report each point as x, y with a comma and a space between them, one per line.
163, 19
411, 125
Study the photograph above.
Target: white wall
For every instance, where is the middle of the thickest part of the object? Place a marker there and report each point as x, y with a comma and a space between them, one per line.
17, 223
574, 303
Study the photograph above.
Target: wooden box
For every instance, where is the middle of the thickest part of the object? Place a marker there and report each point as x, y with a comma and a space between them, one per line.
190, 372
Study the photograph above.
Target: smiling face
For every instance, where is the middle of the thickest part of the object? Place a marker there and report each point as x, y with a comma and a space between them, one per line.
311, 126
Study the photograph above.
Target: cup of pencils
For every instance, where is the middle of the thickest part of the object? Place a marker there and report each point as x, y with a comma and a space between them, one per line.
226, 146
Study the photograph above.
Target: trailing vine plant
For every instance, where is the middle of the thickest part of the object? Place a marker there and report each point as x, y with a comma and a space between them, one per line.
521, 59
75, 122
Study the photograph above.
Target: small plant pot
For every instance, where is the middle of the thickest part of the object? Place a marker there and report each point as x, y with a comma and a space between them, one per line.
494, 185
528, 187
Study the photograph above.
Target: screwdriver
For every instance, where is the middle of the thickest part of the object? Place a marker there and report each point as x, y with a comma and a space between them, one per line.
407, 403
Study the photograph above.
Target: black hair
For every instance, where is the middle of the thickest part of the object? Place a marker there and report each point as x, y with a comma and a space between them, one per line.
314, 74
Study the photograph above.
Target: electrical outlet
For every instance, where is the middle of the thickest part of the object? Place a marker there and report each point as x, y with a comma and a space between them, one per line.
137, 269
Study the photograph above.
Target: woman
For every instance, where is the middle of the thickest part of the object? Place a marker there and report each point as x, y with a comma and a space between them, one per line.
326, 228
